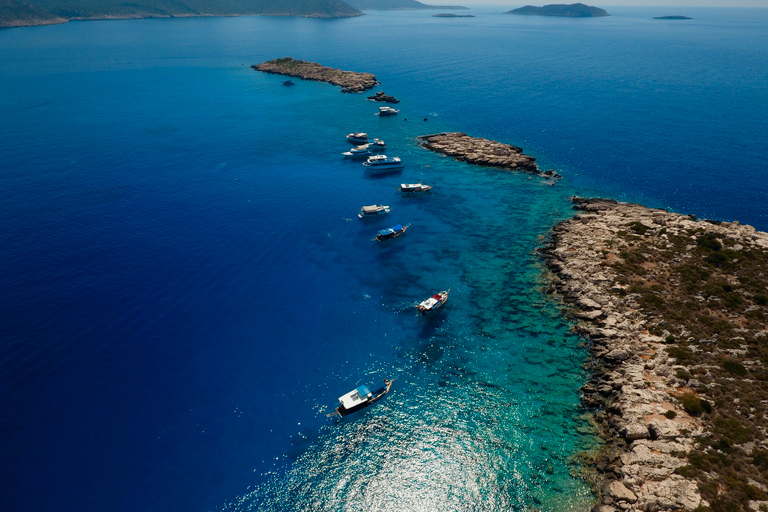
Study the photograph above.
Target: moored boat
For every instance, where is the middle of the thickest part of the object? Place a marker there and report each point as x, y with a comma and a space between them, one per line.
387, 111
357, 138
288, 82
383, 162
358, 152
394, 231
360, 398
373, 210
433, 302
414, 187
377, 145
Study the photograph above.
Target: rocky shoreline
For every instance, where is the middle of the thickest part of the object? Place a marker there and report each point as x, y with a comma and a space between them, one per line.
479, 151
624, 269
350, 81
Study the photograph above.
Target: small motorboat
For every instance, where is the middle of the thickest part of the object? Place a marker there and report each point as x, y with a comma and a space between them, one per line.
360, 398
383, 162
414, 187
373, 211
433, 302
394, 231
358, 152
377, 145
288, 83
358, 138
387, 111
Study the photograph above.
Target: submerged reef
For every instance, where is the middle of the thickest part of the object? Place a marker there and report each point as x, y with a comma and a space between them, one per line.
675, 310
350, 81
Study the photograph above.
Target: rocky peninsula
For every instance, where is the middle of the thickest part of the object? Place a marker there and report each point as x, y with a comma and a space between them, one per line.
380, 96
481, 151
350, 81
674, 310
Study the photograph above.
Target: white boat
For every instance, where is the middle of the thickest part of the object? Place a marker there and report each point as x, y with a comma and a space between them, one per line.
433, 302
383, 163
358, 152
377, 145
358, 138
373, 210
360, 398
387, 111
414, 187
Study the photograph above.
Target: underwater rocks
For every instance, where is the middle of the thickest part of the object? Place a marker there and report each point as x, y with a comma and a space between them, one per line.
380, 96
638, 378
350, 81
481, 151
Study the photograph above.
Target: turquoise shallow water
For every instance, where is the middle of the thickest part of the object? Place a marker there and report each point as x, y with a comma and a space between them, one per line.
186, 285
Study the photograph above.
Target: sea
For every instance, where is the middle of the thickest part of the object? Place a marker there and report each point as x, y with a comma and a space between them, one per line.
187, 288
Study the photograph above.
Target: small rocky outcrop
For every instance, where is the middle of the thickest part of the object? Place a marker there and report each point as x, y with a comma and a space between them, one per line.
451, 15
350, 81
380, 96
674, 309
672, 18
481, 151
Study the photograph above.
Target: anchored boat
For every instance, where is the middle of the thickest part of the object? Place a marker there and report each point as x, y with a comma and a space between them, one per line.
414, 187
360, 398
433, 302
383, 163
373, 211
387, 111
394, 231
357, 138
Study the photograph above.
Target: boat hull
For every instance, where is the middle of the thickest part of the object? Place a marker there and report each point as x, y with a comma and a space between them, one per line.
377, 395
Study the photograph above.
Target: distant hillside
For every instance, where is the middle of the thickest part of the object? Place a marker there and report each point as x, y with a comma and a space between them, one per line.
571, 10
14, 13
373, 5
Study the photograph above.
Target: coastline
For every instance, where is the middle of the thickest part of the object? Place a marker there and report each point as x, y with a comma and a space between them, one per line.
350, 81
619, 266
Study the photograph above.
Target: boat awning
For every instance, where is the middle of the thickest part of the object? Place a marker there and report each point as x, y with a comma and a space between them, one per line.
355, 397
386, 231
372, 208
399, 227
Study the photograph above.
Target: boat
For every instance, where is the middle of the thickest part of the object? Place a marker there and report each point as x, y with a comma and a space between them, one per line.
373, 210
394, 231
358, 152
414, 187
383, 162
433, 302
387, 111
360, 398
377, 145
358, 138
289, 82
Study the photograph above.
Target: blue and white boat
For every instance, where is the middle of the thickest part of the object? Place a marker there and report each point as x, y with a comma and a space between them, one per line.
358, 138
383, 163
360, 398
394, 231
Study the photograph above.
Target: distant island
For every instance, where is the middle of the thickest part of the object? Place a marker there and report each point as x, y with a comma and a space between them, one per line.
19, 13
375, 5
350, 81
451, 15
570, 10
672, 18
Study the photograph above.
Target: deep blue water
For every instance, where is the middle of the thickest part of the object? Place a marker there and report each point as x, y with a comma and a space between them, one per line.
186, 285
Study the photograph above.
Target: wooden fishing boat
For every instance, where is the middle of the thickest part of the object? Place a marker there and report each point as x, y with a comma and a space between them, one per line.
394, 231
360, 398
433, 302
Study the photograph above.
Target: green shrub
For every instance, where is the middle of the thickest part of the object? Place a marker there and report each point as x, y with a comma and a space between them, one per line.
760, 300
716, 259
670, 339
699, 460
709, 241
687, 471
680, 353
670, 414
638, 227
692, 404
734, 367
682, 375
